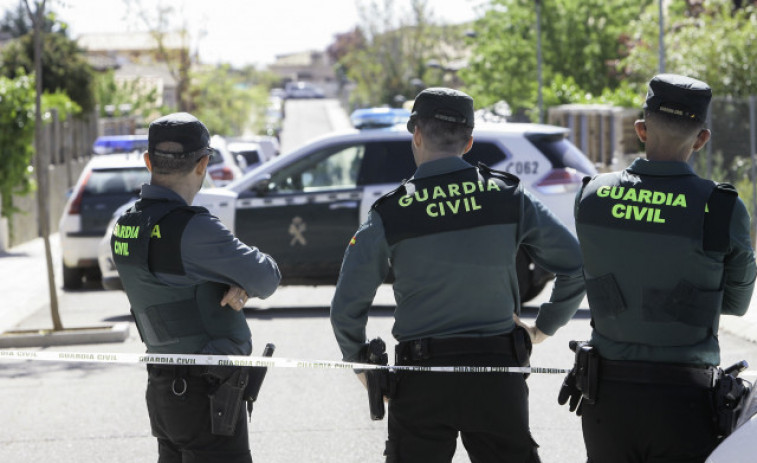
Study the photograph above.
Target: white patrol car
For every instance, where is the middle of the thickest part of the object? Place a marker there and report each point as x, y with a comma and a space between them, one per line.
302, 208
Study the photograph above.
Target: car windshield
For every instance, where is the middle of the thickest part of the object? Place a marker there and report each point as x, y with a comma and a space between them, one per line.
333, 168
116, 181
561, 152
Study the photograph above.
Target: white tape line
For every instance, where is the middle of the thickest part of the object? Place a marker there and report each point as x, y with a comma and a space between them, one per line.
238, 360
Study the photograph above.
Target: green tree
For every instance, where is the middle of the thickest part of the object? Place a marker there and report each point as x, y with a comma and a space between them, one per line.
581, 42
714, 43
111, 92
16, 139
388, 58
16, 22
225, 104
158, 19
64, 68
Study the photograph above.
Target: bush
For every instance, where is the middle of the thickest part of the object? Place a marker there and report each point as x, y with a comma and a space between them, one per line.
16, 139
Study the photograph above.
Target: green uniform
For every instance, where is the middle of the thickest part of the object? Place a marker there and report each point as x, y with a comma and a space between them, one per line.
665, 254
176, 262
453, 255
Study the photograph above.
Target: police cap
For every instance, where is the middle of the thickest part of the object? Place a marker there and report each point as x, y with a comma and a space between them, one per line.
678, 96
445, 104
181, 128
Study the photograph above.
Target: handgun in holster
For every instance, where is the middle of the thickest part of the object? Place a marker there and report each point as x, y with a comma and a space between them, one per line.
255, 381
729, 397
234, 385
586, 368
226, 400
380, 382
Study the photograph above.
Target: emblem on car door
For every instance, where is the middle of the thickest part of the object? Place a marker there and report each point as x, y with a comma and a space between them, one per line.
296, 229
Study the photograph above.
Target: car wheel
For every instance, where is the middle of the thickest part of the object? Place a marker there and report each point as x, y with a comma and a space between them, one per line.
72, 277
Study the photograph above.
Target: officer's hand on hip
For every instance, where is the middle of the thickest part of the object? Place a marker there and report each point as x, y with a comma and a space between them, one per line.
235, 298
534, 333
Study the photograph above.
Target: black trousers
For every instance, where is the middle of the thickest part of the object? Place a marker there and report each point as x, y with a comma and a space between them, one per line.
181, 423
649, 423
489, 410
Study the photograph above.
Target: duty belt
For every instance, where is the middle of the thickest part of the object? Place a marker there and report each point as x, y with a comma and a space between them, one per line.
658, 373
427, 348
177, 370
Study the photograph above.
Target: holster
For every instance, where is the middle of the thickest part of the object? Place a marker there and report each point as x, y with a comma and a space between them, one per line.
226, 400
255, 380
586, 368
380, 382
729, 396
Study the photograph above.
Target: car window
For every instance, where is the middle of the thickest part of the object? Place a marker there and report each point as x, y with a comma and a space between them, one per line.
328, 169
485, 153
116, 181
251, 157
387, 162
217, 157
561, 152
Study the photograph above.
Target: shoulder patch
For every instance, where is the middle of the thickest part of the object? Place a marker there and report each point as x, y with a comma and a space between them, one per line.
389, 194
498, 173
727, 188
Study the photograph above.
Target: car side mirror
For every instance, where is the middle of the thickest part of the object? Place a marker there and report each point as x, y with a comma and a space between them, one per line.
262, 184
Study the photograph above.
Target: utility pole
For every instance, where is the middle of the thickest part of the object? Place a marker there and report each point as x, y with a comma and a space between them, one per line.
40, 160
540, 102
662, 37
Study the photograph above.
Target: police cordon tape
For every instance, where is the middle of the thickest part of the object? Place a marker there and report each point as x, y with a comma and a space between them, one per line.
250, 361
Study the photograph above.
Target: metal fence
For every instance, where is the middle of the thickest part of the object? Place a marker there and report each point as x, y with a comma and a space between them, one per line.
65, 147
605, 134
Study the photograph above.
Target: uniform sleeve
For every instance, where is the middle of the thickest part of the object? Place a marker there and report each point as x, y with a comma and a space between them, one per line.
738, 281
553, 247
211, 252
364, 268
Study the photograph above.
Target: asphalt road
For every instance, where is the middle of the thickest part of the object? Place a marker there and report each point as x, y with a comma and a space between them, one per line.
89, 413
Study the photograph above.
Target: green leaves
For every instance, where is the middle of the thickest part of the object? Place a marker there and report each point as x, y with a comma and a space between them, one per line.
16, 137
581, 41
716, 45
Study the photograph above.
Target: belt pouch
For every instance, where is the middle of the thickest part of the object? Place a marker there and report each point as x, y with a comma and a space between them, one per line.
225, 403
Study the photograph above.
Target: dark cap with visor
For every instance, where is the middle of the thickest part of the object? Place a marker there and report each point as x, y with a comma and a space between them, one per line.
678, 96
181, 128
445, 104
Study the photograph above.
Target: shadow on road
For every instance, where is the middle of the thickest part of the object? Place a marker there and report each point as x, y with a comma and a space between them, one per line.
280, 312
528, 312
309, 312
32, 368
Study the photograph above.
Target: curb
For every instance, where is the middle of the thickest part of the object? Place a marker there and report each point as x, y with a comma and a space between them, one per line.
118, 332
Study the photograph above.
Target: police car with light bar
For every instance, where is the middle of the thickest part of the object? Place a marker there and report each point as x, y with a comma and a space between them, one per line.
303, 207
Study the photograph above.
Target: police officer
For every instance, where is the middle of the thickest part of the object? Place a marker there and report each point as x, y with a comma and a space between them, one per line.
665, 254
450, 236
187, 278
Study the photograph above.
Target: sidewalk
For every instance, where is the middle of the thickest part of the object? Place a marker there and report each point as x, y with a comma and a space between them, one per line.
23, 284
23, 280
